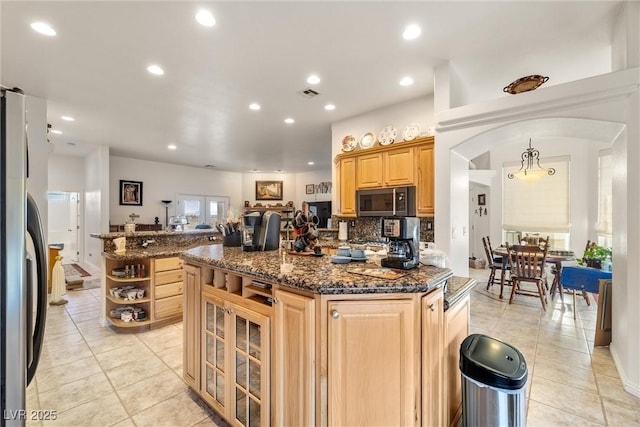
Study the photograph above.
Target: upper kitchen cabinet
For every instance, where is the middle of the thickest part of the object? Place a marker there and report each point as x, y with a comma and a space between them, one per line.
425, 179
401, 164
386, 168
346, 173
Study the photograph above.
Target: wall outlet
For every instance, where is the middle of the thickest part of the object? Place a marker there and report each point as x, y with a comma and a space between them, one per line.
212, 238
352, 223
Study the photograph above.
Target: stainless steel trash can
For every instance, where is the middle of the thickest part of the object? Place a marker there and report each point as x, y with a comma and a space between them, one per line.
494, 375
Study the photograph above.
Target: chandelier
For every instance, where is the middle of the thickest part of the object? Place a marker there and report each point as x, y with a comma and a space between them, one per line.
530, 169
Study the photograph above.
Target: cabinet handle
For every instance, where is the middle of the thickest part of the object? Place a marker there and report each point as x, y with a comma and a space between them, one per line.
432, 307
335, 314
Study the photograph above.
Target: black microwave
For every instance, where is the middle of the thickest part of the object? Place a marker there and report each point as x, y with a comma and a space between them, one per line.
392, 201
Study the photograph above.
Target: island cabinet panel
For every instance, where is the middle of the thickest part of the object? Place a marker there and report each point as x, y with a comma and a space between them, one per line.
191, 326
347, 197
168, 289
424, 159
294, 360
456, 321
235, 377
372, 363
432, 359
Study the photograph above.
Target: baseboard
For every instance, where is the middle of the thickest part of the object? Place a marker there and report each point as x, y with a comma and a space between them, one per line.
629, 387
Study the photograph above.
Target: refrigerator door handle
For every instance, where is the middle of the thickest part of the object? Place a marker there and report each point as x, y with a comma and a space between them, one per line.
34, 228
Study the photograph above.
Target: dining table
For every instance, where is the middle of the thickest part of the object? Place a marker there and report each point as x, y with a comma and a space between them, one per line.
554, 256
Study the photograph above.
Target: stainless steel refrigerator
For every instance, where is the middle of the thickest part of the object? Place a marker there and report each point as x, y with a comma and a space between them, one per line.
23, 286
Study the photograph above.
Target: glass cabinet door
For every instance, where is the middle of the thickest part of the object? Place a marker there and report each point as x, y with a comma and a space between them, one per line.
214, 350
250, 365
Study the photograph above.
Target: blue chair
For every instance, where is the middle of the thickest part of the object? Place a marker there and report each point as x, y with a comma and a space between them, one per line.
585, 279
203, 227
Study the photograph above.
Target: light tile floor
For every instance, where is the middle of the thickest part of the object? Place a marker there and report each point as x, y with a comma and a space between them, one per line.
570, 382
93, 376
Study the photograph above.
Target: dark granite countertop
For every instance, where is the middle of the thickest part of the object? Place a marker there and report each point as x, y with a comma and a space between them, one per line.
152, 234
457, 287
315, 274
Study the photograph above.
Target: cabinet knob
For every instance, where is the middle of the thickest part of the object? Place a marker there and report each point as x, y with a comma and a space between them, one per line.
335, 314
276, 300
432, 307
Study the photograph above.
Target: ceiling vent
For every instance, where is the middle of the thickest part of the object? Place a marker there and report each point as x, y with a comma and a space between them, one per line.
308, 93
210, 166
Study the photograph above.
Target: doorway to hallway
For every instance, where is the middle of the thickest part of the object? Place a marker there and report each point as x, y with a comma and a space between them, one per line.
64, 223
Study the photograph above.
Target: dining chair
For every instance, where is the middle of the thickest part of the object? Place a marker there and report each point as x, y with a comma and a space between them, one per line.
495, 263
528, 265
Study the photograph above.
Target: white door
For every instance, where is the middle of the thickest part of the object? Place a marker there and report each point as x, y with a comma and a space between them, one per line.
64, 223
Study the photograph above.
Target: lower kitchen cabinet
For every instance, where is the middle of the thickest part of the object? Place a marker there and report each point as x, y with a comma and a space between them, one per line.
372, 363
456, 329
191, 326
294, 360
432, 359
235, 362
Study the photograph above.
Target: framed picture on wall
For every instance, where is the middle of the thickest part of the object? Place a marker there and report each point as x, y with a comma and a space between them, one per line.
481, 200
130, 193
310, 188
268, 190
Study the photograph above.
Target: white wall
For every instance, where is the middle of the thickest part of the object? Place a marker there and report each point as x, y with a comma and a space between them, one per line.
66, 173
163, 181
248, 190
418, 110
303, 179
96, 203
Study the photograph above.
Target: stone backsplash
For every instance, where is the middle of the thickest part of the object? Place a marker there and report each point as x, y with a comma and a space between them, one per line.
369, 228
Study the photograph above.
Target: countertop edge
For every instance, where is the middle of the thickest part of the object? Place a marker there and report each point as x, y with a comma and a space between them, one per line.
452, 296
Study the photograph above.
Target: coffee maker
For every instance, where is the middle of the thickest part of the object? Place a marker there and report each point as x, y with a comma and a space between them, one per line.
404, 242
261, 231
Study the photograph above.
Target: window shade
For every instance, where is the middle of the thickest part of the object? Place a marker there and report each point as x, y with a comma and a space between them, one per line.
605, 207
541, 205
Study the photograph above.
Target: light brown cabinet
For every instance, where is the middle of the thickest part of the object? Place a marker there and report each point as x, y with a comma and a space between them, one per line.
432, 359
424, 160
372, 377
456, 329
407, 163
347, 197
191, 326
235, 362
294, 360
167, 280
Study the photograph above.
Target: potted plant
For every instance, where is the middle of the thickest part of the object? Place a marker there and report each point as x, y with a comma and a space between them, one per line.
594, 255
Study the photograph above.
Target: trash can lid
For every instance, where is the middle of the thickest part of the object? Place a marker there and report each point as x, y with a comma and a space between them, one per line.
492, 362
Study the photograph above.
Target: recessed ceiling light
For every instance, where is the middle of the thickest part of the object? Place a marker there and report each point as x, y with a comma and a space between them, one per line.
58, 132
406, 81
155, 69
255, 170
310, 163
329, 107
289, 120
411, 32
72, 144
255, 107
68, 118
43, 28
205, 18
171, 147
313, 79
279, 171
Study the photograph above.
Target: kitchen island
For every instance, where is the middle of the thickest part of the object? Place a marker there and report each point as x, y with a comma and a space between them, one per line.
145, 280
273, 338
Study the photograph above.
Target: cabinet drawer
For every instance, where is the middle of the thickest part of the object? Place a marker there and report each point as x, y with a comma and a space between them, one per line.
164, 291
167, 307
172, 263
164, 277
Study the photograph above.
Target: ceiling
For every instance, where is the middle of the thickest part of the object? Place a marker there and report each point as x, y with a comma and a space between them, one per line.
94, 69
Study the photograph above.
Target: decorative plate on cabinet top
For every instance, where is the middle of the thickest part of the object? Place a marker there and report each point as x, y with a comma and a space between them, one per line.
387, 135
410, 131
367, 140
525, 84
348, 143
